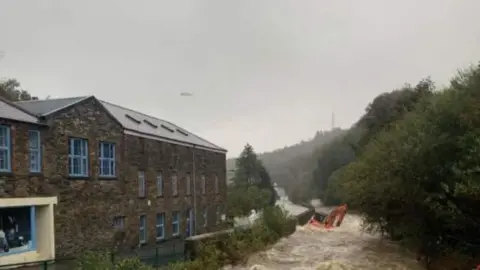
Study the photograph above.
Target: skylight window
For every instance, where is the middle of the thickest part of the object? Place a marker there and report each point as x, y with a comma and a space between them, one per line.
184, 133
167, 128
132, 119
150, 123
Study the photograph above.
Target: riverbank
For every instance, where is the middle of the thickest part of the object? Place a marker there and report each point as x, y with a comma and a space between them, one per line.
237, 246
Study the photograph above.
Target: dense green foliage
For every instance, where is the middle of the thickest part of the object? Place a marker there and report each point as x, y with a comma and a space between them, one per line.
242, 199
251, 187
103, 261
416, 174
239, 244
384, 110
10, 90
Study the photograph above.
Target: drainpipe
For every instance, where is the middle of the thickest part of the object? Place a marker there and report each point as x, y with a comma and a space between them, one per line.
194, 177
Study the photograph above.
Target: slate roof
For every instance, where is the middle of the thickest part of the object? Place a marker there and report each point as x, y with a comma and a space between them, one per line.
133, 121
139, 122
9, 110
48, 106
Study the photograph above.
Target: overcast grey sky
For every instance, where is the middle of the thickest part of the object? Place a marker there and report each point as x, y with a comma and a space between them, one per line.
267, 72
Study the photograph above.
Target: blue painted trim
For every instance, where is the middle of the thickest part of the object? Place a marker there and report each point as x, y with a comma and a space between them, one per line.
8, 148
33, 228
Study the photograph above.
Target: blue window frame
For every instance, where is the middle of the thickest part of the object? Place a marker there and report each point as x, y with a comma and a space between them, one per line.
143, 229
34, 148
106, 159
175, 223
5, 149
160, 226
77, 157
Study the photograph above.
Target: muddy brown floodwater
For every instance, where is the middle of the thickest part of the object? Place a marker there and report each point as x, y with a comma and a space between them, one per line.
343, 248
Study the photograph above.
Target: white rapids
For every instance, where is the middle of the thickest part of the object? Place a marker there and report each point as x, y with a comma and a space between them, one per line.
343, 248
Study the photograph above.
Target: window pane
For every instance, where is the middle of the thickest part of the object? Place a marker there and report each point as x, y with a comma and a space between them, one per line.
187, 184
141, 184
76, 165
105, 167
159, 184
84, 148
33, 140
77, 147
174, 184
112, 150
105, 150
143, 229
160, 219
112, 167
84, 167
33, 161
160, 231
3, 159
4, 132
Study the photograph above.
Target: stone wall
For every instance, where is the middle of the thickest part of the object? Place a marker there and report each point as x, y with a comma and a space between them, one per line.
20, 182
153, 157
87, 206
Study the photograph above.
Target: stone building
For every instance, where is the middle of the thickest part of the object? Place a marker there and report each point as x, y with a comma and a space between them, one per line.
120, 177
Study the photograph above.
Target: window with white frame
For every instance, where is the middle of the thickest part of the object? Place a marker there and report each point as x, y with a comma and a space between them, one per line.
159, 181
77, 157
119, 223
106, 159
205, 216
216, 184
175, 223
141, 184
160, 226
34, 149
188, 182
204, 184
143, 229
174, 184
5, 149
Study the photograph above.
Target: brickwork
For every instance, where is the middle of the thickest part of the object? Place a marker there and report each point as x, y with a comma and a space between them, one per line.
87, 206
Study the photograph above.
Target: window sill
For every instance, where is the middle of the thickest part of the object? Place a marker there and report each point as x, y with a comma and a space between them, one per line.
160, 240
35, 174
78, 177
160, 196
107, 178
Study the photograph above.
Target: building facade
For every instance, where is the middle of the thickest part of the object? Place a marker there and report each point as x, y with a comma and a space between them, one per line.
121, 178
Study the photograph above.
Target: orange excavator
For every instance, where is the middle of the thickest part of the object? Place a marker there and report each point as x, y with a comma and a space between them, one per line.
337, 214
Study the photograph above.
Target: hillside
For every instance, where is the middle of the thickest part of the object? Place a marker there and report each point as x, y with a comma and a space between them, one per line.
293, 164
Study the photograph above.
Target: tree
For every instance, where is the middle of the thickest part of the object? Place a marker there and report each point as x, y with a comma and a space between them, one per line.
250, 170
10, 90
418, 180
252, 187
380, 114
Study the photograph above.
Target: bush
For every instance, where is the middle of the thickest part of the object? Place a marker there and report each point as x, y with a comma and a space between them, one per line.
104, 261
236, 248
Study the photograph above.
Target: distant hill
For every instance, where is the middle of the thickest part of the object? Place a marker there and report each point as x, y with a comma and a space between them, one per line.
293, 164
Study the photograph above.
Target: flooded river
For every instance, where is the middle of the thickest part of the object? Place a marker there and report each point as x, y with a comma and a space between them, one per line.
343, 248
